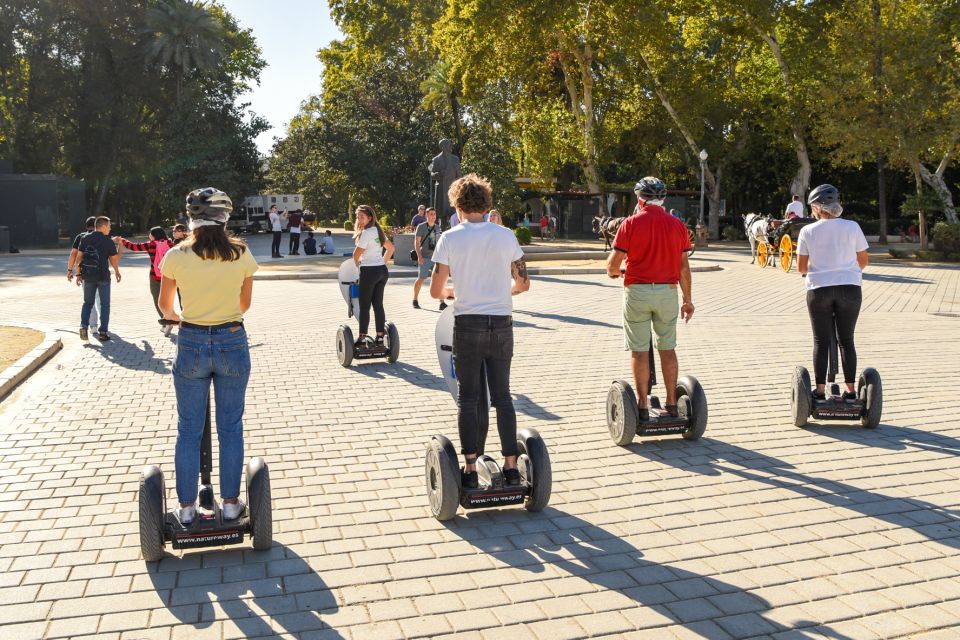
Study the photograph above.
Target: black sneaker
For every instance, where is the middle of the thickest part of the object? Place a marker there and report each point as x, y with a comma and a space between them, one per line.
643, 413
849, 396
443, 305
103, 336
819, 395
379, 341
511, 477
416, 304
84, 333
469, 480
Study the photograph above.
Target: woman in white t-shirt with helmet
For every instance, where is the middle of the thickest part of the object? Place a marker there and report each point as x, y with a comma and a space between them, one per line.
832, 254
370, 256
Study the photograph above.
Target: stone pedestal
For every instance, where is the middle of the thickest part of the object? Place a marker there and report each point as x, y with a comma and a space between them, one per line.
403, 242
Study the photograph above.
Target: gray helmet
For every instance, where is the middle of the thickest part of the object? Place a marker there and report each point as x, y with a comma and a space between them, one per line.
650, 188
825, 194
209, 203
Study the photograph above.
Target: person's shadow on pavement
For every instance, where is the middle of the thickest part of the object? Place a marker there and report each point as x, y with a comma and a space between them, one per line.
262, 593
705, 606
128, 355
714, 458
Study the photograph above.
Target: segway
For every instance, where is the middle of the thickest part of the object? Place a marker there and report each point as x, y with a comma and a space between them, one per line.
208, 529
444, 487
347, 349
623, 418
866, 408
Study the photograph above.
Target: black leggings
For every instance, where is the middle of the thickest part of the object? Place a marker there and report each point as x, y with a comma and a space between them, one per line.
372, 282
825, 303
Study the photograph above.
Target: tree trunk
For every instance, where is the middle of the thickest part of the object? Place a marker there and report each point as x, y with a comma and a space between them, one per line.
582, 111
104, 187
801, 181
882, 200
712, 182
918, 182
939, 186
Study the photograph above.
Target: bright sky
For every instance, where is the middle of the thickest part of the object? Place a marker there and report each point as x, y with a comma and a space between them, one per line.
289, 32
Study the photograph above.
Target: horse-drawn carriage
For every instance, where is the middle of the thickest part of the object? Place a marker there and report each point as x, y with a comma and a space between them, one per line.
774, 242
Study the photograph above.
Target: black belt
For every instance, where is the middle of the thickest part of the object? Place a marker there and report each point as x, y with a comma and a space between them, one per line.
480, 320
210, 327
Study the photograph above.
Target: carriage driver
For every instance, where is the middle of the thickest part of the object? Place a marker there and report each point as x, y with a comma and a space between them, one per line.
654, 244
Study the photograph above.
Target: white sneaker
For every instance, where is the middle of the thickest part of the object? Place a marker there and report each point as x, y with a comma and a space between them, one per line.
233, 510
187, 514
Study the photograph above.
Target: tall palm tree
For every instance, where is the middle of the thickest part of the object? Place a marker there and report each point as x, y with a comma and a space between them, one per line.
440, 92
183, 36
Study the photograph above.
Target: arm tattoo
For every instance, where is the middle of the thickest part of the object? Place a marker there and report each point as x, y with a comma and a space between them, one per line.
521, 268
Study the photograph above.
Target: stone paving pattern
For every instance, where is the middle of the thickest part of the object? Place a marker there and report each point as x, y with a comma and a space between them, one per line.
760, 529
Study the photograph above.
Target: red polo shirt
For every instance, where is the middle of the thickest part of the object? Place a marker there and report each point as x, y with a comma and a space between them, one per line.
654, 242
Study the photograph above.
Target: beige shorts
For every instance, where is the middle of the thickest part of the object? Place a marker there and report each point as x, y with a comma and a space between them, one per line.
646, 304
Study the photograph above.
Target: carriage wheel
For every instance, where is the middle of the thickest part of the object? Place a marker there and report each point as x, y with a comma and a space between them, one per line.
763, 255
691, 236
786, 253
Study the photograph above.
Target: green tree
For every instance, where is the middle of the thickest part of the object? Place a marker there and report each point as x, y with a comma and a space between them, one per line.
183, 36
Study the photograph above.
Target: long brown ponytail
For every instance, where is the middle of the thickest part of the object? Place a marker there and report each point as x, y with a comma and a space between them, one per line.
212, 242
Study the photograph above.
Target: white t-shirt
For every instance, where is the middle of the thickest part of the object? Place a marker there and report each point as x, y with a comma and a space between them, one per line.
480, 255
795, 207
832, 246
275, 221
328, 244
369, 241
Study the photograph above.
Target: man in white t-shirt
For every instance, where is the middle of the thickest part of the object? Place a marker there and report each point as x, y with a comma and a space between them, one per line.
277, 228
482, 258
794, 209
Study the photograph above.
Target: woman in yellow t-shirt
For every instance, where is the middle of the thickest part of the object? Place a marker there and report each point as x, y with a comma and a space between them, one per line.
214, 273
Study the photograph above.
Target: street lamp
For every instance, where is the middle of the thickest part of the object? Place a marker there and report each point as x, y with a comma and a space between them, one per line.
703, 161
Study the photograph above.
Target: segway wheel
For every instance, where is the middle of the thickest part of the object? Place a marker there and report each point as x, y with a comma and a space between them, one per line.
689, 386
393, 341
622, 417
800, 396
870, 390
259, 503
443, 478
344, 345
153, 510
531, 444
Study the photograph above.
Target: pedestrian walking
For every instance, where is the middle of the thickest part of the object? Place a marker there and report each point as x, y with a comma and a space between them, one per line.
424, 242
156, 247
97, 254
73, 265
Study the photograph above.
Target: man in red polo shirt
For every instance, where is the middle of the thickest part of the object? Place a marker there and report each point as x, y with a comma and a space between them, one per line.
654, 244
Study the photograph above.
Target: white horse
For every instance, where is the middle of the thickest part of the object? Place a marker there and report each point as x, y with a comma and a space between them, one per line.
756, 227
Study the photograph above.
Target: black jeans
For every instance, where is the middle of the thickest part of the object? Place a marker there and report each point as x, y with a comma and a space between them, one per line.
294, 243
825, 303
275, 247
480, 341
372, 282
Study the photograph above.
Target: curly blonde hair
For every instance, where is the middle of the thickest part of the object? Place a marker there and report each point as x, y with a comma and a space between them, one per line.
471, 194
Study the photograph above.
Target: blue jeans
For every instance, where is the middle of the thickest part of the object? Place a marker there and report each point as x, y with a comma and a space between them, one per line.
90, 292
223, 356
484, 342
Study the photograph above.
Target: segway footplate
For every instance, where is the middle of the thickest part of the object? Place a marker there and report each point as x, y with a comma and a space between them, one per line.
835, 409
206, 532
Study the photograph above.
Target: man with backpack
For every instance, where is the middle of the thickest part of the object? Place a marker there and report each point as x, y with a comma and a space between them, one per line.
97, 253
73, 264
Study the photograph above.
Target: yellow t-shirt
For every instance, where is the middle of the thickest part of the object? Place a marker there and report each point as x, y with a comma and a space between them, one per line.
209, 289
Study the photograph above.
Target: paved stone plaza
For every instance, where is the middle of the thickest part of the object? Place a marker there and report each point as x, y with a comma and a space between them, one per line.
760, 529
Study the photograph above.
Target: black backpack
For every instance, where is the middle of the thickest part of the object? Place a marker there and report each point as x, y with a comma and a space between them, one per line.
90, 263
